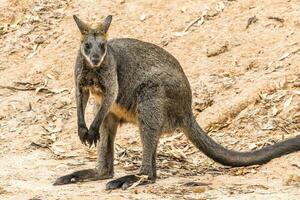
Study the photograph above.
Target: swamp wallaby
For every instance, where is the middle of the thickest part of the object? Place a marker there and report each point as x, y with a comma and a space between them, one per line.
141, 83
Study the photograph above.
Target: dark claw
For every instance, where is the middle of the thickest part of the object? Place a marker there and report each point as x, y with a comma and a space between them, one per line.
92, 137
95, 140
83, 132
123, 182
90, 140
83, 141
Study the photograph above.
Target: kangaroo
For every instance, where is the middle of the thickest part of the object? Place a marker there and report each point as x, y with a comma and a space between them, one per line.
140, 83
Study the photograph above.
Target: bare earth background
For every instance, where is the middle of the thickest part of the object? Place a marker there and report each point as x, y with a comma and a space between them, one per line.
242, 58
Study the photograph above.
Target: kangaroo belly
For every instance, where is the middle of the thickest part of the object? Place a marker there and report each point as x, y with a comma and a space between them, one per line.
116, 108
97, 93
123, 113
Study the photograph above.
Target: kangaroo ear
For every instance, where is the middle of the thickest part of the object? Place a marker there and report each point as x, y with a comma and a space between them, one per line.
106, 23
83, 27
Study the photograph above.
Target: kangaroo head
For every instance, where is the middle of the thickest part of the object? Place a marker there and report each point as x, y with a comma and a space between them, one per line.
93, 45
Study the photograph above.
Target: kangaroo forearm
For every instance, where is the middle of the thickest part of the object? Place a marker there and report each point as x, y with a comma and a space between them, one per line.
101, 114
82, 97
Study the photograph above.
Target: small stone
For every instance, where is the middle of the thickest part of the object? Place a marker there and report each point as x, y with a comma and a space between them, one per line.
143, 17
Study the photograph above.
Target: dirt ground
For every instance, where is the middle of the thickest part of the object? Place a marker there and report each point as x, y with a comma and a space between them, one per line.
242, 58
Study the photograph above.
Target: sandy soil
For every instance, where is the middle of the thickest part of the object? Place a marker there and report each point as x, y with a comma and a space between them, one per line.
242, 59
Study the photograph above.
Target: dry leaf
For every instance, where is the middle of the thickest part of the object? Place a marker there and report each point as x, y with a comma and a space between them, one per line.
268, 126
57, 150
3, 191
252, 146
284, 56
275, 111
179, 34
287, 103
57, 91
296, 92
199, 189
222, 49
251, 21
53, 129
220, 7
293, 180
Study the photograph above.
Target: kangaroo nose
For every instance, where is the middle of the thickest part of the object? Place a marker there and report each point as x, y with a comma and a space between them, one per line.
95, 59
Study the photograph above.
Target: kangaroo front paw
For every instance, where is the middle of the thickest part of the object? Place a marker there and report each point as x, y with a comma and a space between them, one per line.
83, 133
92, 137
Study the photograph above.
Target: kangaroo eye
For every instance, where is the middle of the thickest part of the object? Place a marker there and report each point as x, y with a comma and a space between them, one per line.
88, 45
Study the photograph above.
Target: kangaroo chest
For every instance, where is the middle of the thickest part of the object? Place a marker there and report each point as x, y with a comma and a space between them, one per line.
96, 90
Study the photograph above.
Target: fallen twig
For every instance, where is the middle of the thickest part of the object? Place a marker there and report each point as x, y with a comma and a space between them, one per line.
251, 20
15, 88
27, 83
277, 19
286, 55
194, 22
39, 89
219, 51
143, 179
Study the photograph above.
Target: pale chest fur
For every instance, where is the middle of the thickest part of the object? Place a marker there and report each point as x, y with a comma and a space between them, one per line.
116, 108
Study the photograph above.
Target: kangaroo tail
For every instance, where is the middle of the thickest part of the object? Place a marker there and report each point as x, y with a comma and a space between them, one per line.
234, 158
